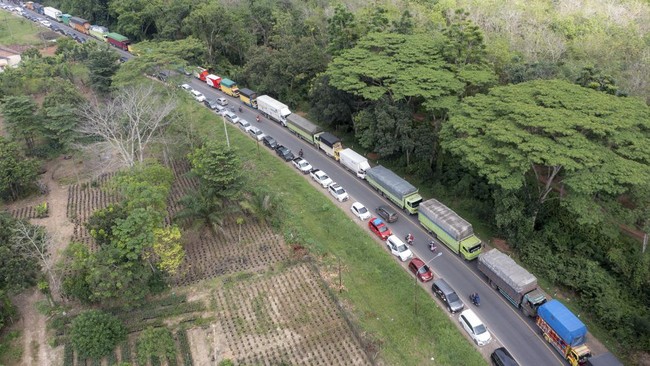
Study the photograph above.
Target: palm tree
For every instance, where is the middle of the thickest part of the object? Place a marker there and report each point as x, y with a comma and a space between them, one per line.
264, 205
202, 210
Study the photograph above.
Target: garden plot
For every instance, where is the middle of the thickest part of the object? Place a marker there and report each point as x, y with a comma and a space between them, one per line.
285, 318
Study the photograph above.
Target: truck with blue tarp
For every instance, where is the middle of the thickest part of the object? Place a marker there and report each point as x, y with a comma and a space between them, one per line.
564, 331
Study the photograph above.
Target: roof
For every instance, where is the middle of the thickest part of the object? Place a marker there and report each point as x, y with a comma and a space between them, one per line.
605, 359
397, 184
508, 270
118, 37
328, 139
227, 82
78, 20
564, 322
303, 124
246, 92
446, 218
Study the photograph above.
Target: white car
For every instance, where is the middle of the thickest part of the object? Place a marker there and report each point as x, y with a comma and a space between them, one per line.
474, 327
186, 87
360, 211
398, 248
256, 132
244, 124
302, 165
46, 23
220, 110
222, 101
338, 192
198, 95
230, 116
320, 177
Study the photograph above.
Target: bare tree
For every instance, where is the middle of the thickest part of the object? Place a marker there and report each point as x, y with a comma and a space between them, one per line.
35, 241
129, 122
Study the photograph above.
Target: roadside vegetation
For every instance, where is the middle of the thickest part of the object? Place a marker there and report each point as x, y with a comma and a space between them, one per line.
16, 30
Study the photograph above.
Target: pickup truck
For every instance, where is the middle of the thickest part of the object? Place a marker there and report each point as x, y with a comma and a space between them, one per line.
320, 177
302, 165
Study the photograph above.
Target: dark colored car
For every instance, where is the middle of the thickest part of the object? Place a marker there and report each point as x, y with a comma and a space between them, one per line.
420, 270
446, 293
387, 213
284, 153
501, 357
162, 76
212, 104
270, 142
377, 226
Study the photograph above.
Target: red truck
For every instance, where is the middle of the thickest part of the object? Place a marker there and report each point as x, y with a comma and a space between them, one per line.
201, 73
119, 41
213, 81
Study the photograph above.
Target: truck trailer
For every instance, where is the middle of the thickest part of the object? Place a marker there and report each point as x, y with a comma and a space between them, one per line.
98, 32
248, 97
229, 87
330, 144
303, 128
53, 13
79, 24
564, 331
354, 162
452, 230
512, 281
396, 189
213, 81
118, 41
200, 73
273, 109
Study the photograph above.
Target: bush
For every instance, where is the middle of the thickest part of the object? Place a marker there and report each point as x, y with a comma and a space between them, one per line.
95, 334
155, 343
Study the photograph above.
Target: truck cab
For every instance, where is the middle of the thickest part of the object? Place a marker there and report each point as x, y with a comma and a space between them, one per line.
532, 301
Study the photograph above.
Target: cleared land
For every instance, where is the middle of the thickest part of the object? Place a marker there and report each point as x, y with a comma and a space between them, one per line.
16, 30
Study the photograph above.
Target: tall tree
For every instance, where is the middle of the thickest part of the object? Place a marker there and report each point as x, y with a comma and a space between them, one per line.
60, 124
102, 65
19, 113
342, 30
558, 140
219, 170
17, 173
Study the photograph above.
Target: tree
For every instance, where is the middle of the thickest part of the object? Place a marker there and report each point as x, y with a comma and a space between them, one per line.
129, 122
592, 77
19, 115
155, 342
331, 105
168, 249
60, 124
102, 65
34, 243
342, 30
95, 334
219, 170
202, 209
405, 25
101, 222
557, 140
17, 173
19, 269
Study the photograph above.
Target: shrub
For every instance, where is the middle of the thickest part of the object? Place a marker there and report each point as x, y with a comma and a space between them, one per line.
155, 343
95, 334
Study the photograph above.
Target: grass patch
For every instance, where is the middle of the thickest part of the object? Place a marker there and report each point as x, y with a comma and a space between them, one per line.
380, 292
16, 30
11, 351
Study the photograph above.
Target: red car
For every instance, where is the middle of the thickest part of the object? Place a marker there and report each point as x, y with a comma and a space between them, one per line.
378, 227
420, 270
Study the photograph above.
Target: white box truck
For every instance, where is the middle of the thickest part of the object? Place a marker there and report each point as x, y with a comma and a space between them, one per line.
354, 162
273, 109
52, 13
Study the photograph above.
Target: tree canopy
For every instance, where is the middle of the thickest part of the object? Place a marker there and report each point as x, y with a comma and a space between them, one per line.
586, 144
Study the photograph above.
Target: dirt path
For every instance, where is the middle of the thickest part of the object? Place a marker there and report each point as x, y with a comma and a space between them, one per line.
32, 324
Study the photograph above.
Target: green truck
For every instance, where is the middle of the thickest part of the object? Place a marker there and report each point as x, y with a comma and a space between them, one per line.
303, 128
396, 189
451, 229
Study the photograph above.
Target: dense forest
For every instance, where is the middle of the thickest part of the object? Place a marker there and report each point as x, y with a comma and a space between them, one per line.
533, 113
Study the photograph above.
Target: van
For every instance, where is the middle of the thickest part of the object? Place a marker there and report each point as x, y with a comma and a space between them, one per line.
198, 95
447, 294
388, 214
474, 327
501, 357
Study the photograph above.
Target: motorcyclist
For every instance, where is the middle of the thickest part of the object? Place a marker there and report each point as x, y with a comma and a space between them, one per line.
410, 239
475, 298
240, 110
300, 153
257, 118
432, 246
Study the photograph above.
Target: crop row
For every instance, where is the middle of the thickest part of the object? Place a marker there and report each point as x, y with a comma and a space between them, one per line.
186, 353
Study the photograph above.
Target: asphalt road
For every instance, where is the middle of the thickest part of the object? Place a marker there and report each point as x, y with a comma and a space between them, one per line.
508, 326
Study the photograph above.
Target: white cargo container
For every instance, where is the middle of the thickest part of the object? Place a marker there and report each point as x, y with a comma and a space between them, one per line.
354, 162
273, 109
52, 13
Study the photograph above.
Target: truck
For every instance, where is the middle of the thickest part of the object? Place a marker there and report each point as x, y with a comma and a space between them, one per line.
303, 128
330, 144
396, 189
38, 8
118, 41
98, 32
512, 281
29, 5
564, 331
213, 80
248, 97
229, 87
65, 19
79, 24
200, 73
354, 162
53, 13
449, 228
273, 109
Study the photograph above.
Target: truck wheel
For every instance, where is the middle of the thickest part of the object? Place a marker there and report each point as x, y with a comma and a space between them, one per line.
494, 285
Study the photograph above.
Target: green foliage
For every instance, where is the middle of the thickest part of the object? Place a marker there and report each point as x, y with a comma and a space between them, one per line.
168, 248
184, 344
102, 64
19, 267
17, 173
95, 334
333, 106
219, 170
7, 310
144, 186
265, 206
534, 134
342, 30
19, 114
202, 209
101, 222
60, 124
155, 342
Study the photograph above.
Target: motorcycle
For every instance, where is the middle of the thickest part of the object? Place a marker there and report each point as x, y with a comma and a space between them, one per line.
432, 246
240, 110
257, 118
409, 239
476, 300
